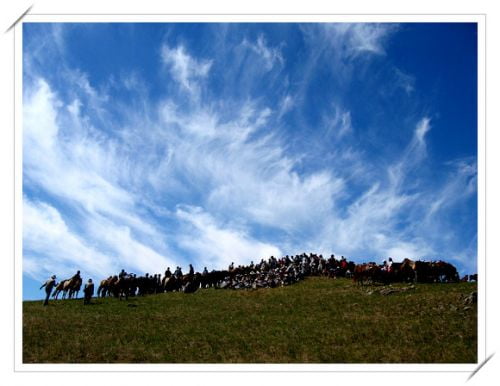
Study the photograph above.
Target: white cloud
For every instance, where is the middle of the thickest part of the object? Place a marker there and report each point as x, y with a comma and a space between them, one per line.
357, 38
461, 184
371, 222
58, 249
405, 81
217, 246
338, 123
269, 55
369, 225
408, 250
77, 168
136, 256
83, 171
184, 68
249, 176
422, 128
411, 155
286, 105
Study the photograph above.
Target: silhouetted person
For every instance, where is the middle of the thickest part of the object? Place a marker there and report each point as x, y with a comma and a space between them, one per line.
49, 284
389, 265
88, 292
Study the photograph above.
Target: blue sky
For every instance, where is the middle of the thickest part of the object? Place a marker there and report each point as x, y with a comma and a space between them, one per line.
151, 145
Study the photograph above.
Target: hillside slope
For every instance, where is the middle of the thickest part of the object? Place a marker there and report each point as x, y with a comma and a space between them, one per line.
318, 320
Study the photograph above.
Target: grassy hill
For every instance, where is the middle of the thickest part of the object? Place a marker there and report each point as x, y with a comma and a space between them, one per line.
318, 320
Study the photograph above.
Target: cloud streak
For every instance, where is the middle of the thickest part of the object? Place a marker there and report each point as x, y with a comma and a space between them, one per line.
184, 69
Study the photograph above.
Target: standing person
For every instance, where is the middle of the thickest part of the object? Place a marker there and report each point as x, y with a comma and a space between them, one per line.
76, 275
389, 265
191, 270
49, 284
88, 291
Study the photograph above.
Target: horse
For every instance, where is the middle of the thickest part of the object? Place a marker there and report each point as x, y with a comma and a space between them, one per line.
72, 287
366, 272
105, 287
125, 286
445, 272
171, 284
75, 286
423, 272
192, 284
59, 288
145, 285
402, 272
213, 279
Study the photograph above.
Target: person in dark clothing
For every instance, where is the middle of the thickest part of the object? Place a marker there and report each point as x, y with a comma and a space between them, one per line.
49, 284
191, 270
88, 292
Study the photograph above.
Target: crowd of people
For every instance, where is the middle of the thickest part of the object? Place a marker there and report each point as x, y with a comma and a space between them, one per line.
268, 273
284, 271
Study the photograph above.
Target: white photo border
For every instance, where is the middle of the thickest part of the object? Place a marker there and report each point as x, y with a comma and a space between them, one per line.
480, 19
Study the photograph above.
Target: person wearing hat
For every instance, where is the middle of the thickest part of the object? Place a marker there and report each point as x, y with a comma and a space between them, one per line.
88, 291
49, 284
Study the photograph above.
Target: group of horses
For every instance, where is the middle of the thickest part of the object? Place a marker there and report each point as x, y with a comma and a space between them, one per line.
407, 271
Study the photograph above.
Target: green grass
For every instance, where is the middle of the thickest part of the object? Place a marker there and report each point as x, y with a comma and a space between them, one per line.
318, 320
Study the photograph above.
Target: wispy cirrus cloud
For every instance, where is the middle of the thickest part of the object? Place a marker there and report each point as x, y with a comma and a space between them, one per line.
270, 56
353, 39
184, 69
51, 246
217, 246
81, 171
